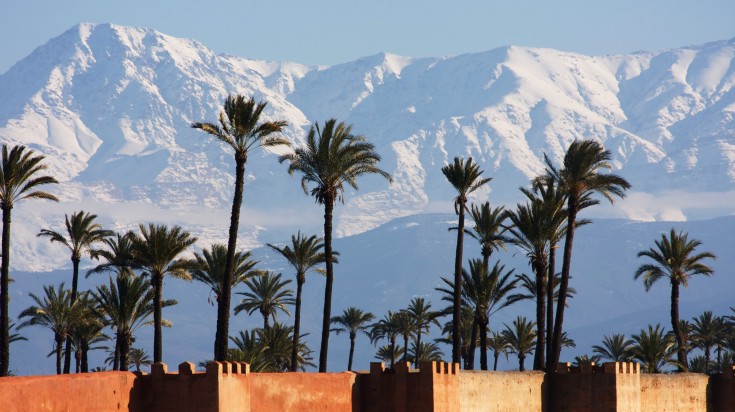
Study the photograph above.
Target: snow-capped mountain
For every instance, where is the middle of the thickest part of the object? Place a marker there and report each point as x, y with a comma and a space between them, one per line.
110, 108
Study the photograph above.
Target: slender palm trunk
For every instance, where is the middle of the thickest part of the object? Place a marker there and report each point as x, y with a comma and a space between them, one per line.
223, 310
496, 355
352, 351
681, 353
74, 288
116, 358
483, 345
564, 283
538, 356
125, 351
418, 347
392, 353
324, 348
296, 323
77, 360
470, 362
5, 297
85, 357
157, 280
550, 304
521, 361
707, 355
405, 348
457, 315
59, 343
265, 321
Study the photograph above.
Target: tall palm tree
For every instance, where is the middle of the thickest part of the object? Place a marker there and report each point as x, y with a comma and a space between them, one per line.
674, 258
425, 352
87, 332
389, 353
465, 178
614, 347
54, 311
468, 328
332, 157
117, 255
423, 317
127, 304
406, 328
139, 357
387, 328
488, 229
497, 343
210, 270
20, 179
706, 330
304, 254
239, 128
82, 232
267, 294
521, 339
352, 321
487, 292
277, 342
580, 178
155, 250
652, 348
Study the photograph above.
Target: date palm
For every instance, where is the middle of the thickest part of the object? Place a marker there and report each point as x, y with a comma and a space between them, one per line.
389, 353
82, 233
155, 250
497, 343
210, 270
117, 255
352, 320
239, 128
465, 177
55, 311
615, 347
127, 304
20, 178
521, 339
304, 254
387, 328
426, 352
674, 258
423, 317
267, 294
332, 158
488, 229
706, 331
406, 328
139, 357
580, 179
87, 332
487, 292
652, 348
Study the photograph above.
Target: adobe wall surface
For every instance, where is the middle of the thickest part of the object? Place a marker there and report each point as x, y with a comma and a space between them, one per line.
502, 391
297, 391
92, 392
681, 392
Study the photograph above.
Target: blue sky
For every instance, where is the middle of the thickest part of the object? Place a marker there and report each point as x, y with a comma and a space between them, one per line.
334, 31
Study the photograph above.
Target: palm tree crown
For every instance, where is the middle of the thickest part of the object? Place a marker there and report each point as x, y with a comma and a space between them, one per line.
210, 268
267, 294
352, 320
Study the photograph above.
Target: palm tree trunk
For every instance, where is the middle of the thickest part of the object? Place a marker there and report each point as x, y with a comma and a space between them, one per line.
538, 356
470, 364
85, 357
405, 348
483, 345
296, 325
550, 304
157, 281
418, 348
681, 353
116, 358
59, 343
392, 353
223, 310
352, 351
564, 283
77, 360
707, 355
457, 315
4, 295
324, 348
74, 288
265, 321
521, 361
496, 355
124, 351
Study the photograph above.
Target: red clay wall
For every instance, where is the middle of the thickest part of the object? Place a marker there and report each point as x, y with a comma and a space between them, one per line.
681, 392
93, 392
296, 391
502, 391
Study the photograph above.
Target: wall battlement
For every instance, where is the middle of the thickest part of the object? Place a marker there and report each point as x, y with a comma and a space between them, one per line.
609, 368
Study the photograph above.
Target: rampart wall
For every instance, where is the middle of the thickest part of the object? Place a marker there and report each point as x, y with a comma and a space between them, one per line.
435, 387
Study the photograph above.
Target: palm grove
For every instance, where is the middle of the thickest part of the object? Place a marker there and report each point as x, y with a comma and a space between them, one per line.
332, 158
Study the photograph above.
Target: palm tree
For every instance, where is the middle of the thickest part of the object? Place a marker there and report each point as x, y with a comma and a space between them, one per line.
497, 343
422, 317
54, 311
83, 232
277, 343
139, 357
521, 339
352, 321
155, 250
387, 328
336, 158
389, 353
210, 270
127, 304
487, 292
465, 178
675, 259
614, 347
585, 360
240, 129
580, 179
468, 328
248, 348
267, 295
303, 254
706, 330
426, 352
406, 329
117, 254
652, 348
20, 179
488, 229
87, 332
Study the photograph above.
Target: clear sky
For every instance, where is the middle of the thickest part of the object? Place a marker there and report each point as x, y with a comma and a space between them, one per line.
335, 31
